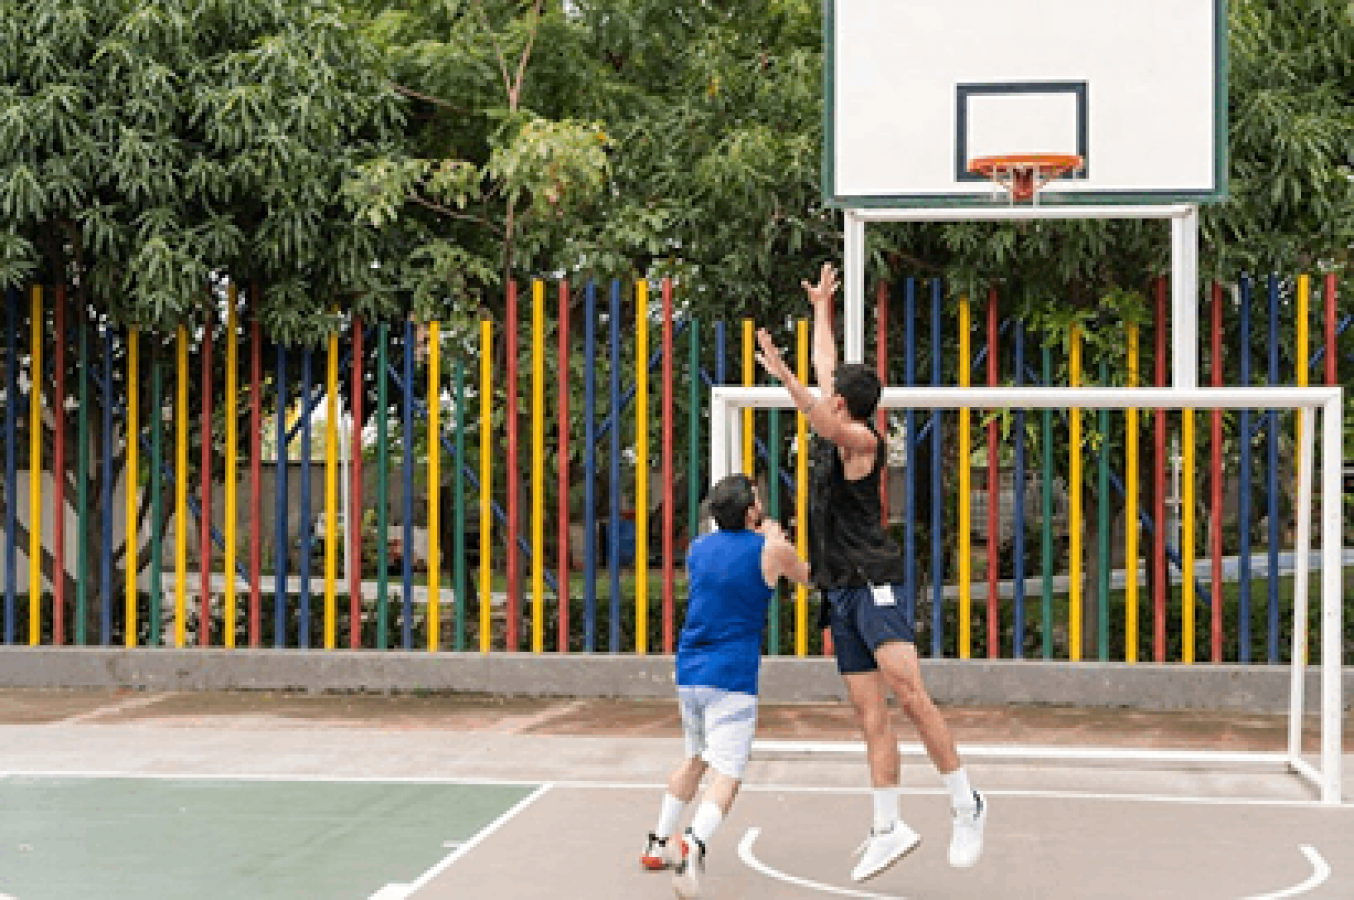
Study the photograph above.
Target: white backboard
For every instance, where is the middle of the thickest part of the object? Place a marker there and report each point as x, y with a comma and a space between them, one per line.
917, 88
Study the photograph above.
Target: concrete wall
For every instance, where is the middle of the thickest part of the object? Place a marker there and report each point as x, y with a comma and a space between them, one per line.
1222, 687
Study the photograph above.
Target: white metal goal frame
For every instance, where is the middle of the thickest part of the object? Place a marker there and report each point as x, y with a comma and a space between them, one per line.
726, 448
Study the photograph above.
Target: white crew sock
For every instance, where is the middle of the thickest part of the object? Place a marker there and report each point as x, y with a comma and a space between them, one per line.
669, 815
885, 808
706, 820
961, 793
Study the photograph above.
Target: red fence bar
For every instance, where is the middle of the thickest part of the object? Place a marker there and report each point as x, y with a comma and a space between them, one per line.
562, 405
1159, 488
59, 474
510, 527
205, 516
1215, 479
255, 475
668, 499
355, 506
993, 494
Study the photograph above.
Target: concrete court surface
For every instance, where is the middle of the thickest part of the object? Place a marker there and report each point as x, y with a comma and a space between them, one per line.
573, 785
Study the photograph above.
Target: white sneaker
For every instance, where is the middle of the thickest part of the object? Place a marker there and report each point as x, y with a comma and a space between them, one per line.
884, 848
661, 853
966, 843
687, 873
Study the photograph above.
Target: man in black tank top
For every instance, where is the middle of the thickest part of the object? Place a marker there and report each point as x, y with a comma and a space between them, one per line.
860, 572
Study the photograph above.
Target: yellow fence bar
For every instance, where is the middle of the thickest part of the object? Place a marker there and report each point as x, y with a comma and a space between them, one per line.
1187, 533
965, 489
434, 484
642, 466
35, 476
486, 476
802, 492
232, 437
749, 461
181, 490
331, 492
537, 467
1131, 510
1074, 502
133, 465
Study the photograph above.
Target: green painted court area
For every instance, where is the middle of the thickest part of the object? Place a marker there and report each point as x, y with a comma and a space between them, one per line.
131, 837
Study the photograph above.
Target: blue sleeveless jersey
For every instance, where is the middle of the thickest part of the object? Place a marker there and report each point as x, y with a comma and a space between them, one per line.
721, 641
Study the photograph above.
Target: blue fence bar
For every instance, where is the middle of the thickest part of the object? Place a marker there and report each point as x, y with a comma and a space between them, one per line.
910, 430
280, 581
937, 486
1272, 474
614, 525
11, 473
308, 526
590, 472
1244, 499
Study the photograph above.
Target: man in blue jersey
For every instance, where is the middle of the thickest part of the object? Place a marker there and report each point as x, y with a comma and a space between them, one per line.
860, 572
731, 576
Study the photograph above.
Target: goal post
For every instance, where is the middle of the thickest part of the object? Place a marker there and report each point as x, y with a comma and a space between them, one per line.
726, 450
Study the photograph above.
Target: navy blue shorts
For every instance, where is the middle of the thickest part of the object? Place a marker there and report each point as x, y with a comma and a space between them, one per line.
859, 625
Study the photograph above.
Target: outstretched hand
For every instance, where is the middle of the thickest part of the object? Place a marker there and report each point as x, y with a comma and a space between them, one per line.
826, 287
769, 356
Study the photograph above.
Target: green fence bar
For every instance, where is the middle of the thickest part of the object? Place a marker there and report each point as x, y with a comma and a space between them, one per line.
1103, 510
1047, 524
459, 546
157, 425
82, 486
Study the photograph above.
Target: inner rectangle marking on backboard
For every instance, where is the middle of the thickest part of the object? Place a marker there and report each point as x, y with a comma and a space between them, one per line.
1020, 117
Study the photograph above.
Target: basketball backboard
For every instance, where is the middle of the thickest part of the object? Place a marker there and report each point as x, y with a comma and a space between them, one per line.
916, 89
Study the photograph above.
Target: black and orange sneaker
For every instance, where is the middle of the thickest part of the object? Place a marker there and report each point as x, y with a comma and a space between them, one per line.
688, 872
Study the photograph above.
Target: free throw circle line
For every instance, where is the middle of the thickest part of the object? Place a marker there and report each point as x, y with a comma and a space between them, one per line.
746, 855
1320, 872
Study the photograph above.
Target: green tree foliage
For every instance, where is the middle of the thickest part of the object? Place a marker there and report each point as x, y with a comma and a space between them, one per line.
149, 145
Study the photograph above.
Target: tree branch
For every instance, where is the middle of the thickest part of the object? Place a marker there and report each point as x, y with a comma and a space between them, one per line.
526, 52
453, 214
498, 51
410, 92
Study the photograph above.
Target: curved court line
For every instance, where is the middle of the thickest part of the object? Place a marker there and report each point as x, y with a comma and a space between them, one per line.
1320, 872
401, 891
745, 854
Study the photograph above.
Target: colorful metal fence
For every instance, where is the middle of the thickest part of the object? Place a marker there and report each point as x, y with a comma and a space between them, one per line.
432, 400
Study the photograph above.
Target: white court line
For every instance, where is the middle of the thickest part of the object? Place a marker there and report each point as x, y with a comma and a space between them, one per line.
1320, 872
745, 854
659, 785
401, 891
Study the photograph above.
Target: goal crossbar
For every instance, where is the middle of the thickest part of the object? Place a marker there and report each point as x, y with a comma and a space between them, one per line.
726, 456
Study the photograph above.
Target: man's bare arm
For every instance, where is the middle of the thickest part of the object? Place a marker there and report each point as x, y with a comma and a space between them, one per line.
824, 417
821, 296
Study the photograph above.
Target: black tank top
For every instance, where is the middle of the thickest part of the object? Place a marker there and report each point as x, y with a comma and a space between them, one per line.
848, 545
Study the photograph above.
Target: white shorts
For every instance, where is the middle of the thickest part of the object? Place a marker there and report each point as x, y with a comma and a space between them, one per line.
718, 726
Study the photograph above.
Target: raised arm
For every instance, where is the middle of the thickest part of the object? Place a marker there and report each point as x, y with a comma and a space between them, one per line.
825, 413
822, 298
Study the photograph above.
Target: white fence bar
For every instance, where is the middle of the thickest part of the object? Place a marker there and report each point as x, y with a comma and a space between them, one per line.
1332, 628
769, 396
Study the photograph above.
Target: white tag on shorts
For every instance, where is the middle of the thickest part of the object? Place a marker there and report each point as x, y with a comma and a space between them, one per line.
883, 595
